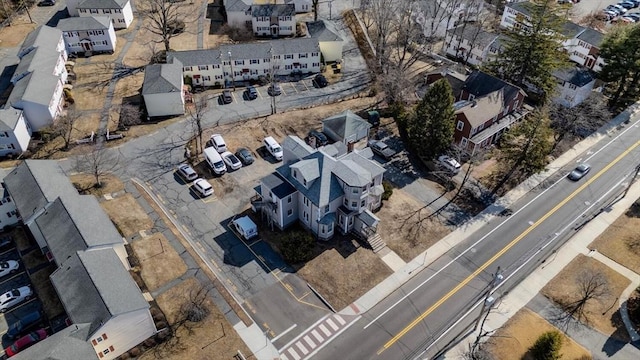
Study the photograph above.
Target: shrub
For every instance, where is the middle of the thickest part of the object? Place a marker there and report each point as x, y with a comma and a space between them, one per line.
69, 96
547, 347
388, 190
297, 246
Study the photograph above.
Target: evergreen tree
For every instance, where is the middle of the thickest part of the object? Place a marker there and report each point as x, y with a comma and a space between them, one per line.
533, 50
430, 128
547, 346
620, 51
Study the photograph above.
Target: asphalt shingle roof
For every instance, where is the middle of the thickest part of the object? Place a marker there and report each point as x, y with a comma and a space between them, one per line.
102, 4
575, 75
35, 87
43, 35
237, 5
521, 7
69, 343
352, 173
296, 147
474, 34
570, 30
482, 108
273, 10
84, 23
308, 169
9, 118
323, 31
278, 185
480, 84
591, 36
322, 191
346, 124
162, 78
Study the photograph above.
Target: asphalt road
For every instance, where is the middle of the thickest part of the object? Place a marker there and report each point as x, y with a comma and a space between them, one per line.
427, 312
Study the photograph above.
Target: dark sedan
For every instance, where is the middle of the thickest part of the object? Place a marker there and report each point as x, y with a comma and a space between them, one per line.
579, 172
245, 156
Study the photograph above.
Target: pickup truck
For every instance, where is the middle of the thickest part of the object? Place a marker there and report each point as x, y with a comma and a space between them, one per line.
382, 149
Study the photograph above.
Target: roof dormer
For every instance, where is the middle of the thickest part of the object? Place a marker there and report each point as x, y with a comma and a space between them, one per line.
305, 171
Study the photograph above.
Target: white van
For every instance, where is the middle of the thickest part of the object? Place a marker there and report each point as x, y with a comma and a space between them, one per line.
273, 147
215, 161
247, 228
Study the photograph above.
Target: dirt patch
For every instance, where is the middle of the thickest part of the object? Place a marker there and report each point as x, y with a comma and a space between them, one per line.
513, 340
600, 313
213, 335
621, 242
408, 239
34, 258
12, 36
84, 183
159, 261
46, 292
131, 221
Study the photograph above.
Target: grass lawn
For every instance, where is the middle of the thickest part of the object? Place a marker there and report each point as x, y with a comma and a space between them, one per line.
159, 262
131, 221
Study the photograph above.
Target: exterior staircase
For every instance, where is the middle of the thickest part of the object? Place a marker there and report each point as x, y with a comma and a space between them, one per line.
374, 241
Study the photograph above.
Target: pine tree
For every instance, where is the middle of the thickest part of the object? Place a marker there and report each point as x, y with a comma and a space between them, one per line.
620, 51
533, 50
431, 126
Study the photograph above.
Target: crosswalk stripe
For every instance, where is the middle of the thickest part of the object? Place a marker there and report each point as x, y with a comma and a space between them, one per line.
302, 348
332, 324
324, 329
340, 319
283, 357
309, 341
294, 354
317, 335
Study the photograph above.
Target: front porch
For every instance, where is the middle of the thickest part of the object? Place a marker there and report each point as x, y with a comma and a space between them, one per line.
490, 135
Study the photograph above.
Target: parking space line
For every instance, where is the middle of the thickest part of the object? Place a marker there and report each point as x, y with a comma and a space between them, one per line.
294, 87
305, 84
209, 199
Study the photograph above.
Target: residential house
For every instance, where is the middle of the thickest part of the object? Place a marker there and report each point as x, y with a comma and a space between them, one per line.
471, 44
438, 16
575, 84
107, 309
487, 107
347, 128
118, 10
15, 133
273, 20
92, 34
516, 15
68, 343
213, 67
239, 12
162, 89
302, 6
328, 38
8, 211
39, 77
325, 189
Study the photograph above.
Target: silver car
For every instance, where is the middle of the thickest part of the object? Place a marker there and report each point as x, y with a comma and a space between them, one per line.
579, 172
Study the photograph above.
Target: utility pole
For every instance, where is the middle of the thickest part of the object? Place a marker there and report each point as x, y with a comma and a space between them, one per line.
272, 76
497, 278
232, 74
633, 178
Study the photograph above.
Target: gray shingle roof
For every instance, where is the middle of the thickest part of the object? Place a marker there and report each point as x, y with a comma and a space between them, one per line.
363, 159
570, 30
42, 60
35, 87
295, 148
35, 183
237, 5
102, 4
69, 343
323, 31
323, 190
351, 173
346, 124
368, 218
42, 35
94, 286
73, 224
575, 75
84, 23
521, 7
9, 118
474, 34
162, 78
481, 84
279, 186
307, 168
273, 10
591, 37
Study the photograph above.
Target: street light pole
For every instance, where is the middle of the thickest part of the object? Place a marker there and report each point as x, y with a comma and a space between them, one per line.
232, 74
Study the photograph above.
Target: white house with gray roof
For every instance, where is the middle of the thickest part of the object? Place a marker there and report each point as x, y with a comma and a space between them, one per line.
8, 211
240, 12
347, 128
248, 61
15, 132
39, 77
328, 37
575, 84
273, 20
471, 44
118, 10
107, 309
325, 189
92, 34
162, 89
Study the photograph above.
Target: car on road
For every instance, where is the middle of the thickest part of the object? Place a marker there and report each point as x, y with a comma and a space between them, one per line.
187, 172
320, 81
14, 297
318, 136
26, 341
202, 187
8, 267
231, 160
24, 322
217, 142
579, 172
226, 96
381, 149
47, 3
245, 156
251, 93
449, 163
274, 89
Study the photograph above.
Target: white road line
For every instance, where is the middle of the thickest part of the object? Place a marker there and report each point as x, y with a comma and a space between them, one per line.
324, 329
294, 354
340, 319
332, 324
302, 348
284, 332
284, 357
310, 342
317, 335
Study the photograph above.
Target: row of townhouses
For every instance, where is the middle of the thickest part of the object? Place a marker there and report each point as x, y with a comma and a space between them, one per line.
106, 310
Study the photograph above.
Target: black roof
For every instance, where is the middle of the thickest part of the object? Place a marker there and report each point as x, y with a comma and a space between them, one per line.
480, 84
279, 186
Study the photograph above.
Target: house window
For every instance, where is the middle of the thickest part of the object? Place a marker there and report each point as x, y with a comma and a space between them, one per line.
93, 11
203, 67
206, 78
322, 229
326, 209
265, 60
302, 56
288, 56
463, 142
288, 67
330, 227
314, 54
254, 61
289, 212
341, 220
289, 199
363, 203
354, 204
354, 190
316, 64
187, 68
351, 221
305, 182
239, 62
460, 125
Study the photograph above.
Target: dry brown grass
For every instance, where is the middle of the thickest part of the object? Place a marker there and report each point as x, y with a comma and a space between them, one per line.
600, 314
90, 89
110, 184
159, 261
621, 242
410, 239
131, 221
46, 292
213, 335
12, 36
513, 340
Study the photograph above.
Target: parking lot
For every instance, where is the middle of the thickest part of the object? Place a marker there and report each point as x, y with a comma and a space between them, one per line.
289, 88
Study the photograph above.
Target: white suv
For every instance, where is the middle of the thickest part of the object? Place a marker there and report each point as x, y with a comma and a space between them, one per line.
14, 297
218, 143
449, 163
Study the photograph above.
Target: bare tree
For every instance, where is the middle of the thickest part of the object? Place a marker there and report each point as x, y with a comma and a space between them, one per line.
64, 127
130, 115
196, 111
166, 19
97, 161
592, 285
578, 121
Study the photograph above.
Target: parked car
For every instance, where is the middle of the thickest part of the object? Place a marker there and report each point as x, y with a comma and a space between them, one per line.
245, 156
23, 323
617, 9
628, 4
231, 160
320, 81
26, 341
8, 267
14, 297
579, 172
217, 142
202, 187
47, 3
449, 163
187, 172
274, 89
381, 149
216, 164
632, 18
251, 92
318, 136
273, 147
226, 96
6, 242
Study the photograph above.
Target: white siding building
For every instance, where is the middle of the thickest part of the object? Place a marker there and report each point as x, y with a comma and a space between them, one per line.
273, 20
328, 38
471, 44
93, 34
238, 13
15, 132
574, 85
118, 10
162, 89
